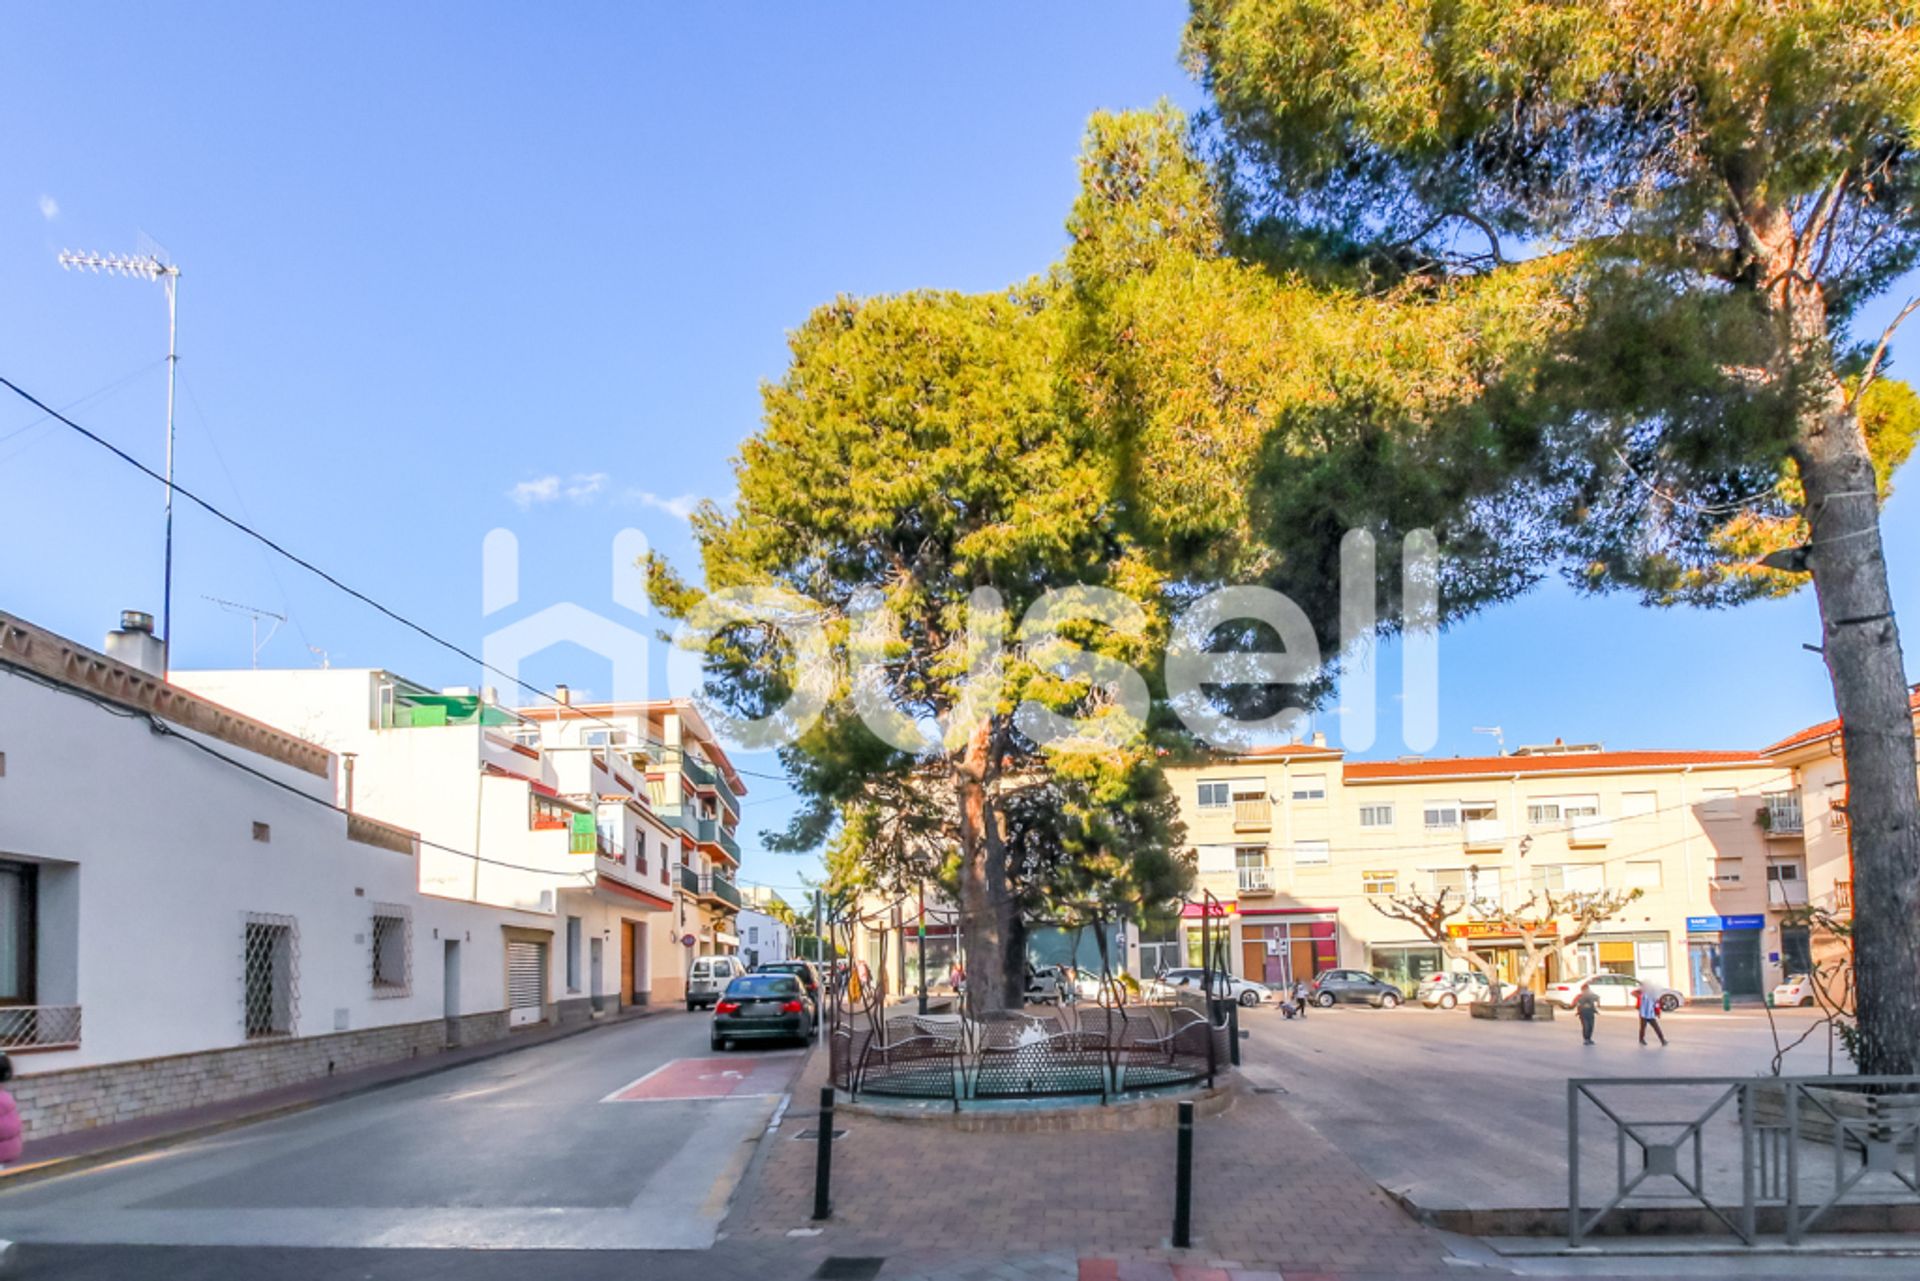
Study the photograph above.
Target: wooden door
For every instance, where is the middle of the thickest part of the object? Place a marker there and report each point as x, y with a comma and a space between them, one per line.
626, 962
1253, 959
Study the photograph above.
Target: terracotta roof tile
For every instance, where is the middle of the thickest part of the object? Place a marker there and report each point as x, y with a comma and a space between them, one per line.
1825, 729
1561, 763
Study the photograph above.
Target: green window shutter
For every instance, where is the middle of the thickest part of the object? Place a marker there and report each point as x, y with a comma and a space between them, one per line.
585, 835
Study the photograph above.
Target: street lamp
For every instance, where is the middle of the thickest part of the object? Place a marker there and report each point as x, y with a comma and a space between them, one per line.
151, 268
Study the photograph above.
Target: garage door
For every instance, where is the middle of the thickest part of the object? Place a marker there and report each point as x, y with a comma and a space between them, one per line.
526, 982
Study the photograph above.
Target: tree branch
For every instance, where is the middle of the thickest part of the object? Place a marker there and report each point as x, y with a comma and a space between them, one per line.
1880, 350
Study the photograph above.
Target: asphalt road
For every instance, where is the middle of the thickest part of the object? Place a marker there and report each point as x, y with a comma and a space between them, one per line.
520, 1152
1455, 1112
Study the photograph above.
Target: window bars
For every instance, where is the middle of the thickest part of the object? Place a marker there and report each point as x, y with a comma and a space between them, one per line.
270, 975
391, 953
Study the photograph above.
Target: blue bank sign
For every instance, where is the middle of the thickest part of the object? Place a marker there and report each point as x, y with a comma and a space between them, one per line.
1716, 924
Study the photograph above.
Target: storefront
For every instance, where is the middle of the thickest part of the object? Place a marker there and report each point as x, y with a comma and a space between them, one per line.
1405, 963
1283, 946
1502, 949
1639, 954
1723, 955
1211, 924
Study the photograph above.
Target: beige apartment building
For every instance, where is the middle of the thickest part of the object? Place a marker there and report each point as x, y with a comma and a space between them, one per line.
1298, 845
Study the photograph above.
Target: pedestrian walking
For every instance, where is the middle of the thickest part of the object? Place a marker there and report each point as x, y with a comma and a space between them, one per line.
1588, 1008
11, 1142
1300, 997
1649, 1006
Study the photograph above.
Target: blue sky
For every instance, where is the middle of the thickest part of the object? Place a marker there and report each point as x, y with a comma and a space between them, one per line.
437, 252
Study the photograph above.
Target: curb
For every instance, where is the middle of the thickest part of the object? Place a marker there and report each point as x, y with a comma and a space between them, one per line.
55, 1167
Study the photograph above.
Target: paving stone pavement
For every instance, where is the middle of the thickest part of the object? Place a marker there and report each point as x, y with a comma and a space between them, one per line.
1271, 1198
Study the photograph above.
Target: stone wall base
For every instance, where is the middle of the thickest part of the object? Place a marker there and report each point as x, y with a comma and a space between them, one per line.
81, 1098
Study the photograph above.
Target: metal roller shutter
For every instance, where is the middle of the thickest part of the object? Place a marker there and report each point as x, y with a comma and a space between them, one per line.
526, 982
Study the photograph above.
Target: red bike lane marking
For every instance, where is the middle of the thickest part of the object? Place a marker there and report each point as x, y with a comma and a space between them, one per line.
734, 1076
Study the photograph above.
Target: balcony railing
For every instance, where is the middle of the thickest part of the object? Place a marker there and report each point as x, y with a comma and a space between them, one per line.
699, 771
39, 1027
689, 879
1252, 814
1843, 896
1589, 830
1485, 833
716, 885
1782, 816
1256, 880
1786, 893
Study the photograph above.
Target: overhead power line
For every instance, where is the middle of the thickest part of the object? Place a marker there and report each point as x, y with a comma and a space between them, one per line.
332, 580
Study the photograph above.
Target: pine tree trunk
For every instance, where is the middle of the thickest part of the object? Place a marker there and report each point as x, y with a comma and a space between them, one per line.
983, 882
1862, 650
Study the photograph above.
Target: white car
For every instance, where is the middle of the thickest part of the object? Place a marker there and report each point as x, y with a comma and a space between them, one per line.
1225, 986
1616, 992
1444, 991
1797, 990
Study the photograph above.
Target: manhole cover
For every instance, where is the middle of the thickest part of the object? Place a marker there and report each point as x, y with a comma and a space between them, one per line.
840, 1267
814, 1135
1269, 1089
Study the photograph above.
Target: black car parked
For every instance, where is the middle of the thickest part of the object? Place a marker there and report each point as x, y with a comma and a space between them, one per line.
762, 1007
805, 971
1354, 987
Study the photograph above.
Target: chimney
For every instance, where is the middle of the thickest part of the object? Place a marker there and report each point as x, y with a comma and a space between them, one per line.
1319, 739
136, 645
563, 696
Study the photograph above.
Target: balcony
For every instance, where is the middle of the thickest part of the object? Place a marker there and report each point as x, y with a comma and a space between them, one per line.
717, 885
1485, 833
689, 880
1786, 894
680, 817
39, 1027
1588, 832
1843, 896
1256, 880
1252, 814
1781, 819
696, 770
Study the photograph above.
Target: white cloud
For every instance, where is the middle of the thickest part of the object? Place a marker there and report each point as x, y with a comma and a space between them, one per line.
584, 485
543, 489
49, 208
679, 507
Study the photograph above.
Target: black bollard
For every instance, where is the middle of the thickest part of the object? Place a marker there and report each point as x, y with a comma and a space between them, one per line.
1183, 1182
1233, 1033
823, 1160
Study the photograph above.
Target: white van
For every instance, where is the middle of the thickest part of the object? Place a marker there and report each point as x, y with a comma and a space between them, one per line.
710, 977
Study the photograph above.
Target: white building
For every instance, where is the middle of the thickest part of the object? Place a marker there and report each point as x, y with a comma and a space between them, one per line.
186, 915
567, 830
764, 936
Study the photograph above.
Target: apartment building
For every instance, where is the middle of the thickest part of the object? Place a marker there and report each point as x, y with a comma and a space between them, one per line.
1818, 812
562, 831
1298, 847
186, 915
691, 787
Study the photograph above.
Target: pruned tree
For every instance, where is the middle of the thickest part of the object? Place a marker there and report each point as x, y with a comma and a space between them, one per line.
1432, 915
1549, 924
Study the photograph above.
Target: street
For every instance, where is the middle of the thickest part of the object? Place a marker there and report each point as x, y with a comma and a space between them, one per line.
524, 1151
1418, 1096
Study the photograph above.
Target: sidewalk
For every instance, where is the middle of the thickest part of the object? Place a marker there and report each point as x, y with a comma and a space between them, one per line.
81, 1148
1270, 1196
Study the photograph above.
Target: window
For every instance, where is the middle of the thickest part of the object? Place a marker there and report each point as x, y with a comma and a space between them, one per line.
1441, 815
524, 735
1569, 878
392, 950
1638, 804
1310, 853
1310, 787
1837, 806
603, 737
573, 954
1717, 803
19, 895
1377, 883
270, 976
1549, 811
1376, 816
1250, 856
1642, 874
1478, 811
1727, 870
1543, 813
1783, 871
1215, 795
1472, 884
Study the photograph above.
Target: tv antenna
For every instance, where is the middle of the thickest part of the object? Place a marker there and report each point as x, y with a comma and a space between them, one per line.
1499, 736
254, 614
